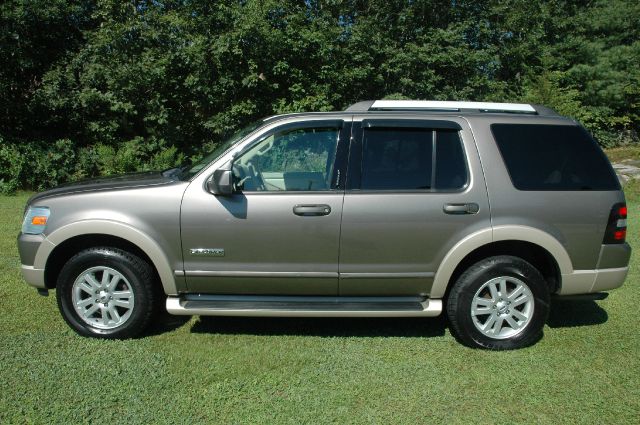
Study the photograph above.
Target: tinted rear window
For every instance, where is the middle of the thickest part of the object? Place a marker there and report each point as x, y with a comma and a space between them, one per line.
553, 157
403, 158
451, 169
397, 159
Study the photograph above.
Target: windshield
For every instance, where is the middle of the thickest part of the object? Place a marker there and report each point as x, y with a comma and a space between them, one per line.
219, 150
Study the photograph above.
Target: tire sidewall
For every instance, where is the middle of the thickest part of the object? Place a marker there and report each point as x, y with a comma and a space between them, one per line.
483, 272
105, 257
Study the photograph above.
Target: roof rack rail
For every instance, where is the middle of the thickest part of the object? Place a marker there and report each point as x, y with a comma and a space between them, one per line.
448, 106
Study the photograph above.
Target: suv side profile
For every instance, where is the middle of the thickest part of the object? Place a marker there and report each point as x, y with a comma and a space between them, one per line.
387, 209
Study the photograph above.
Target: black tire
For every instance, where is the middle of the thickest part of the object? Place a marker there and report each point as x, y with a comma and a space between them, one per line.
459, 303
139, 276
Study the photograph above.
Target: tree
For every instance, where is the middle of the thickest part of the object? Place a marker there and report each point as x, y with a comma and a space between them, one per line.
142, 84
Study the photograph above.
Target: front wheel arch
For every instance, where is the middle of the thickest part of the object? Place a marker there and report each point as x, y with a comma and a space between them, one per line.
70, 247
117, 232
106, 292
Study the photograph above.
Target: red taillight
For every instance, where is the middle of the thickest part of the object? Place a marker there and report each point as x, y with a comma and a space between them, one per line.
617, 225
620, 235
622, 212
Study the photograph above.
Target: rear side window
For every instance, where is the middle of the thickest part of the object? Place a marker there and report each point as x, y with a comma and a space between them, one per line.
396, 159
553, 157
412, 159
451, 170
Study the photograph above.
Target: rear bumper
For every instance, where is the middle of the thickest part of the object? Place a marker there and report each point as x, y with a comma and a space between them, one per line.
610, 272
614, 256
589, 281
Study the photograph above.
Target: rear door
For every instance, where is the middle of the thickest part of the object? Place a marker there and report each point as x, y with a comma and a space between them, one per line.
414, 189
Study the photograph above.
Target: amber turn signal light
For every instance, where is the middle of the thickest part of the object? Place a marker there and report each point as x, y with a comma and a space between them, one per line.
39, 220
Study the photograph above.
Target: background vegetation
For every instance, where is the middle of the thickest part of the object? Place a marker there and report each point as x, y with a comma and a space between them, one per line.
98, 87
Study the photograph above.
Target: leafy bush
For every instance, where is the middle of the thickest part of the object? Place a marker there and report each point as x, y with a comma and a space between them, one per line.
550, 89
40, 165
12, 163
94, 88
36, 165
54, 166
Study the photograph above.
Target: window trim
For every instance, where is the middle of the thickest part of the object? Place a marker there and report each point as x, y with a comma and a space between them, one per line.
339, 168
354, 173
411, 123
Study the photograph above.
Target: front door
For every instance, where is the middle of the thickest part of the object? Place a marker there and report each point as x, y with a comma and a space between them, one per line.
414, 189
279, 233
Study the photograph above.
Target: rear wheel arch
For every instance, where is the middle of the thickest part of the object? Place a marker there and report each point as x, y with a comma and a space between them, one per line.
500, 303
533, 254
538, 248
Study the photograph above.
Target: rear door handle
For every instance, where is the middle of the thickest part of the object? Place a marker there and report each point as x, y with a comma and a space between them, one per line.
311, 210
470, 208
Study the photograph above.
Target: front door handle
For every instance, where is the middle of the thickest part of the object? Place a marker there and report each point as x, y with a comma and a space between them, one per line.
470, 208
311, 210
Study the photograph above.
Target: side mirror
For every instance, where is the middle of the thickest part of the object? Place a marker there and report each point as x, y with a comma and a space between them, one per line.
221, 182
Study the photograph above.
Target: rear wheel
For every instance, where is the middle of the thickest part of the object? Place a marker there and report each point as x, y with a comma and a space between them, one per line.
106, 293
499, 303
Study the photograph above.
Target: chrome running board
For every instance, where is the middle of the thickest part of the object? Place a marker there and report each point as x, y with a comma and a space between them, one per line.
293, 306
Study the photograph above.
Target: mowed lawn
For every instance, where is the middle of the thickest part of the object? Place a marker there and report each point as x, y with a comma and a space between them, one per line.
240, 370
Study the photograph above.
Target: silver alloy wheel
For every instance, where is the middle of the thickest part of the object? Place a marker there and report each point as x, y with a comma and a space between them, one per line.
103, 297
502, 307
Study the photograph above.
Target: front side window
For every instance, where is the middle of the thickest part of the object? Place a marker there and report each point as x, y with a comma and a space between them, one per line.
219, 150
289, 160
397, 158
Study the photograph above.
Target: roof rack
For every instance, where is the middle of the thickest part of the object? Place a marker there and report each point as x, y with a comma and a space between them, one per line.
448, 106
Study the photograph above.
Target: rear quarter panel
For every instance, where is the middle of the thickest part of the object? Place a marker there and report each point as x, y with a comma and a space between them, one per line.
577, 219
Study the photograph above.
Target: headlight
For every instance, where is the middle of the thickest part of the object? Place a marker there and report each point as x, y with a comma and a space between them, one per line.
35, 220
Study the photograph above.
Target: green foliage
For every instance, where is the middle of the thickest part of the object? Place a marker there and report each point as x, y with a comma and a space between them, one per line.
42, 165
38, 165
136, 85
34, 36
598, 58
53, 167
12, 163
135, 155
548, 89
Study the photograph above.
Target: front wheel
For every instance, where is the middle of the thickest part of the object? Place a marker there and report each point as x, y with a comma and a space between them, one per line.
106, 293
499, 303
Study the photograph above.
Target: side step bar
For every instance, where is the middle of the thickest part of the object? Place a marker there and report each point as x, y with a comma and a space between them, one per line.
290, 306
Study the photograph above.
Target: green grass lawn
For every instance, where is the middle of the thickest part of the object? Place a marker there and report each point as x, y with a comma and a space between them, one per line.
242, 370
622, 153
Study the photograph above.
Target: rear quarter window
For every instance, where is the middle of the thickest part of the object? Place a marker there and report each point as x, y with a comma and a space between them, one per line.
553, 157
